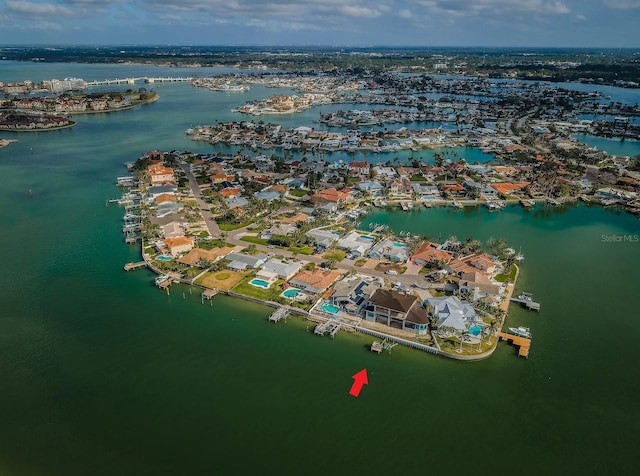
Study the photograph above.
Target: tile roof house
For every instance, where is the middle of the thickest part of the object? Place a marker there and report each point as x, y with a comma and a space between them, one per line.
180, 244
331, 195
428, 252
397, 310
197, 254
160, 174
315, 280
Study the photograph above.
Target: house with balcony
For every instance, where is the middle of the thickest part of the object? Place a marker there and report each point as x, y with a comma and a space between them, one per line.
397, 310
351, 295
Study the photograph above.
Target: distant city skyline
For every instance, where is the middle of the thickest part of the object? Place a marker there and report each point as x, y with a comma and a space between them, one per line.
500, 23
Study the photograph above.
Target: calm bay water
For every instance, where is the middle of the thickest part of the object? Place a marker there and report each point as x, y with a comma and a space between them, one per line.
630, 148
100, 373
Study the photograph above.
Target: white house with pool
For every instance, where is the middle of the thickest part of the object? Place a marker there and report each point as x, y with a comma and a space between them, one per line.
454, 315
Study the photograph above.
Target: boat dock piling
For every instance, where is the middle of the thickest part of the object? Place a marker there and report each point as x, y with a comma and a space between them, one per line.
331, 326
378, 346
279, 314
523, 343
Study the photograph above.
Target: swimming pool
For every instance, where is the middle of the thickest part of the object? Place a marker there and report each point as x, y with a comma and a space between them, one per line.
330, 309
368, 237
475, 330
164, 258
291, 293
259, 283
400, 245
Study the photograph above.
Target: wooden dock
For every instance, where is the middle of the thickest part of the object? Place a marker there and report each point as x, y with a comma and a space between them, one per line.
527, 301
523, 343
209, 293
136, 265
279, 314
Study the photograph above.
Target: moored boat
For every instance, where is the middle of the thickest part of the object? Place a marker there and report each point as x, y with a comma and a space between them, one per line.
521, 331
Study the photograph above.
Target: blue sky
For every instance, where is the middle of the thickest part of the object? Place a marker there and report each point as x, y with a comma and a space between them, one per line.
561, 23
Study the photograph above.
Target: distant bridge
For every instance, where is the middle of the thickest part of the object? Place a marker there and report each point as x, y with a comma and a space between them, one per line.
145, 79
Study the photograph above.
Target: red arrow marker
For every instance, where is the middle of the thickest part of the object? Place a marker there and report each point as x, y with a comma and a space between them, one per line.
359, 380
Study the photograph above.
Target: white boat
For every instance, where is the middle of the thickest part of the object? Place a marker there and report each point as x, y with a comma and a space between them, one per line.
161, 279
521, 331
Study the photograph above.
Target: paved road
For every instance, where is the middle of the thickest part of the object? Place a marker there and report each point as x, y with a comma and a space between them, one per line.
205, 208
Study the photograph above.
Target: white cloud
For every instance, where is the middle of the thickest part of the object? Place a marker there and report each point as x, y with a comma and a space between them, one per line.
360, 11
622, 4
25, 8
405, 13
474, 7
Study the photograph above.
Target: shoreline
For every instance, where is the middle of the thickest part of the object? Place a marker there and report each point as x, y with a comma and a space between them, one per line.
359, 324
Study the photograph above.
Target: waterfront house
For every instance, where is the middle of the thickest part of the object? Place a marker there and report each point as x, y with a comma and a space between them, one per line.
160, 175
385, 172
430, 253
507, 188
478, 285
180, 244
397, 310
399, 186
370, 186
173, 230
391, 250
426, 192
281, 269
199, 255
359, 168
165, 197
316, 280
168, 208
355, 243
454, 189
156, 191
452, 313
351, 295
475, 262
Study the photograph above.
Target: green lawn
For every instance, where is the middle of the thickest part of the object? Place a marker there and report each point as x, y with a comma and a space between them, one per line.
270, 294
511, 277
234, 226
255, 240
298, 193
303, 250
337, 255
